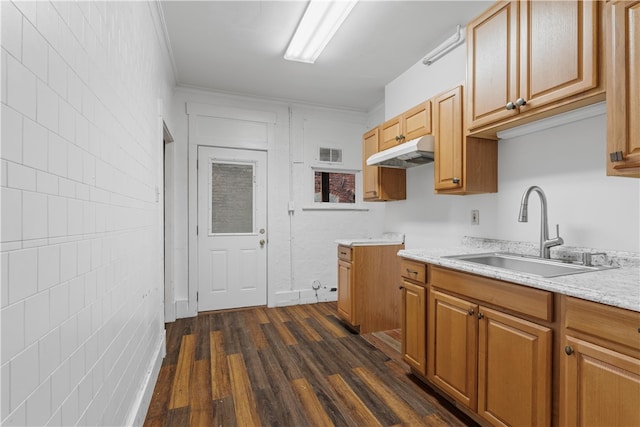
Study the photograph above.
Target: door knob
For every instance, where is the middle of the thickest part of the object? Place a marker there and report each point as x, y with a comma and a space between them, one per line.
262, 242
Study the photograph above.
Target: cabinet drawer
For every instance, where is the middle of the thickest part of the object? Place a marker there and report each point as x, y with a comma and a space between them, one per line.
413, 270
611, 323
522, 299
344, 253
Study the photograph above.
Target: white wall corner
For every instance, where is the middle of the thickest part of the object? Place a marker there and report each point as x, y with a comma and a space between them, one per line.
143, 398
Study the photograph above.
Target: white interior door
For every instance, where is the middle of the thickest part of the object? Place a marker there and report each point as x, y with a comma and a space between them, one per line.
232, 219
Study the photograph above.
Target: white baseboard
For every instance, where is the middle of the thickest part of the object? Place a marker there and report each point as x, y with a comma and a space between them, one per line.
143, 399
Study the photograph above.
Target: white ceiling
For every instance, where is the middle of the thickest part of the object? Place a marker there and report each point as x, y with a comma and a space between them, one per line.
238, 47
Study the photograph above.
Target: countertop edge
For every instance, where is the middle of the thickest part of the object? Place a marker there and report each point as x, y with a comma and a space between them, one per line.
612, 287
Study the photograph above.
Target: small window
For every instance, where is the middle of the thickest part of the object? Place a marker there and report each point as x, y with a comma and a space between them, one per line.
335, 187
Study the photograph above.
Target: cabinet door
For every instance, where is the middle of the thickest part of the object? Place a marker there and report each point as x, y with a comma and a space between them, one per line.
453, 346
514, 370
558, 50
414, 310
598, 386
370, 175
345, 292
447, 117
391, 133
416, 122
492, 64
623, 88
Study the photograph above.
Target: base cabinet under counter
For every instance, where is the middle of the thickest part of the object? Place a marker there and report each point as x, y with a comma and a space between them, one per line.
509, 354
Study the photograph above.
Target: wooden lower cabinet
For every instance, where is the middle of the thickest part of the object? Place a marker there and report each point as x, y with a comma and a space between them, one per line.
345, 292
601, 387
514, 370
453, 346
413, 324
599, 365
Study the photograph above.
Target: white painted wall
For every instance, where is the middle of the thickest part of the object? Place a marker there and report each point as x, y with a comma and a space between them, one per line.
568, 162
83, 84
301, 243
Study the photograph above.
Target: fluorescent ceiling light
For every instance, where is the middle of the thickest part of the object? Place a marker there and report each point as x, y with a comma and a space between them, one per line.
319, 23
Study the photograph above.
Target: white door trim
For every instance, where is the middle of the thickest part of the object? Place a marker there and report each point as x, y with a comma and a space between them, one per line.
189, 308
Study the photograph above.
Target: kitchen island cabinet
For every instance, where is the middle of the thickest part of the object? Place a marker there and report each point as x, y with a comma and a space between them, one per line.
368, 298
380, 184
530, 59
623, 88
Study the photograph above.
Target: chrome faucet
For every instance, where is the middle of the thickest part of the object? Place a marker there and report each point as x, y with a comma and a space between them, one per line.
545, 243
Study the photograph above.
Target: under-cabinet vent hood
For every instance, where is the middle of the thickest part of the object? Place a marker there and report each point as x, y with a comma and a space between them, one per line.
408, 154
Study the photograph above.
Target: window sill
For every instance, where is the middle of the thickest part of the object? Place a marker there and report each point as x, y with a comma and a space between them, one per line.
334, 207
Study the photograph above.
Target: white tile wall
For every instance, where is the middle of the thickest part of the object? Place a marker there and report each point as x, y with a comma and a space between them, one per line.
81, 147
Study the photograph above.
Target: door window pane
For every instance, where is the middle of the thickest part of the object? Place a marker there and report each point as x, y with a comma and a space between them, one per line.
231, 198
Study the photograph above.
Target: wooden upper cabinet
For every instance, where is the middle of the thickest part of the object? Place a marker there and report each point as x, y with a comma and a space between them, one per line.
380, 184
447, 115
411, 124
532, 58
623, 88
492, 64
462, 165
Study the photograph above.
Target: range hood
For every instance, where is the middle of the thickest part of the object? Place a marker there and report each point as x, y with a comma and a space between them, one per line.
408, 154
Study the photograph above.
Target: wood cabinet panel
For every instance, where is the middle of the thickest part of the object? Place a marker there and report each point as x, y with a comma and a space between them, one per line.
600, 387
344, 253
623, 88
514, 370
345, 292
521, 299
390, 132
413, 270
414, 310
492, 64
447, 118
531, 59
416, 122
452, 346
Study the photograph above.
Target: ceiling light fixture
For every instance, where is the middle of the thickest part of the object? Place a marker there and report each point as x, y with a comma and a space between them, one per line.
319, 23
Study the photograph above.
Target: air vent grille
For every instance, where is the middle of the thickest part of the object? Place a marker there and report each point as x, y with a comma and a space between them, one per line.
332, 155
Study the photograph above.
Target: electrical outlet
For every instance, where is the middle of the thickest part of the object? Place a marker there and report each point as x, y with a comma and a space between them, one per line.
475, 217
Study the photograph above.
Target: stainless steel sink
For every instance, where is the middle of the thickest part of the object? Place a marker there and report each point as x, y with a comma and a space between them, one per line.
525, 264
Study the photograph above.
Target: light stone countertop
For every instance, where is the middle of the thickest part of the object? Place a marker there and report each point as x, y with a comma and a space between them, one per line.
388, 238
619, 287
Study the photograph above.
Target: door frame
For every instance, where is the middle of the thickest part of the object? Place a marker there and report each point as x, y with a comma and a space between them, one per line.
199, 115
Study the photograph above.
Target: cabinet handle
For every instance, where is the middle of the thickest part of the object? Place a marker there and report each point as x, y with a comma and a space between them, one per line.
411, 271
456, 180
569, 350
520, 102
470, 311
401, 287
510, 106
399, 137
480, 316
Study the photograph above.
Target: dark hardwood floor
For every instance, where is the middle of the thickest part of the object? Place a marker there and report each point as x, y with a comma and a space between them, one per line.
288, 366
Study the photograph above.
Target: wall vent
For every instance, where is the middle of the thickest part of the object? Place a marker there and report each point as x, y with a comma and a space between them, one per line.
332, 155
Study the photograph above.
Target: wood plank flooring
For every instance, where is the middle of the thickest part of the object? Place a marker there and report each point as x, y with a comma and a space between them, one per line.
288, 366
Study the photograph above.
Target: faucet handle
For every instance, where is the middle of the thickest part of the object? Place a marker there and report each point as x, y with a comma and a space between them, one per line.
559, 239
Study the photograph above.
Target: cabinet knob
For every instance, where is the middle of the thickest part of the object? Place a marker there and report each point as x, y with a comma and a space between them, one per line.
520, 102
470, 311
401, 287
480, 316
510, 106
569, 350
456, 180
